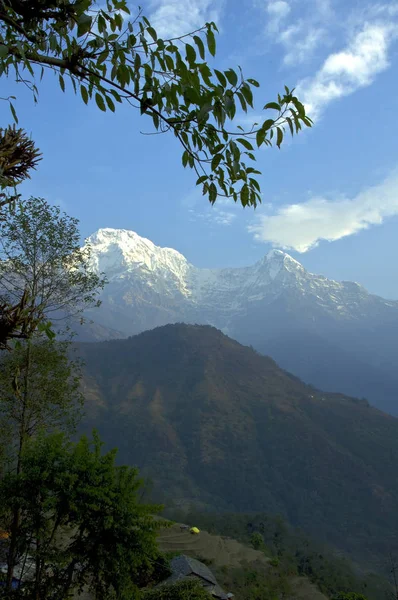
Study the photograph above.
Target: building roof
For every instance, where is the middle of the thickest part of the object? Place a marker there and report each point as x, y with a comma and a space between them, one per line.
184, 566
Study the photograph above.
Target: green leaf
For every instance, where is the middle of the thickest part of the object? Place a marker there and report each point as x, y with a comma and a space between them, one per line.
216, 161
84, 94
231, 76
3, 51
244, 195
260, 137
279, 136
110, 103
203, 113
245, 143
137, 61
248, 95
202, 179
221, 78
62, 83
267, 124
253, 82
289, 122
242, 102
274, 105
254, 183
201, 47
191, 54
100, 102
14, 114
212, 193
116, 95
83, 24
102, 57
211, 42
152, 33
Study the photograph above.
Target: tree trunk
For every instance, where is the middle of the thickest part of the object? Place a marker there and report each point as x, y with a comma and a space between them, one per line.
12, 551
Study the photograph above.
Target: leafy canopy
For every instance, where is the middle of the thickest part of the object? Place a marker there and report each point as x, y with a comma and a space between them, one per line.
40, 255
39, 388
113, 59
81, 521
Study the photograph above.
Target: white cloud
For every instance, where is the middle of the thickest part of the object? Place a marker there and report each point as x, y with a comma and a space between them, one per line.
213, 216
172, 18
300, 41
277, 11
302, 226
223, 217
346, 71
298, 27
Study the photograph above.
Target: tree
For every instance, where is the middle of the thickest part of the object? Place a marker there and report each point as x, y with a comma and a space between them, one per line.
18, 156
42, 393
40, 256
39, 388
43, 270
183, 590
41, 259
113, 59
82, 524
257, 541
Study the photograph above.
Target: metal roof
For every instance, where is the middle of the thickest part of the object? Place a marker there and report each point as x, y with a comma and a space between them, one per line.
186, 566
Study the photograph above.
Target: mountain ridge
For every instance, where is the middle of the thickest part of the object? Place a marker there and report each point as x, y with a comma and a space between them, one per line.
274, 299
229, 430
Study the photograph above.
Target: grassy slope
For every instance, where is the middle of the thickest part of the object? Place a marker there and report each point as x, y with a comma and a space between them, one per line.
225, 556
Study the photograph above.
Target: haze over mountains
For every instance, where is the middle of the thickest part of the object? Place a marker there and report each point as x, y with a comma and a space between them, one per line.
334, 335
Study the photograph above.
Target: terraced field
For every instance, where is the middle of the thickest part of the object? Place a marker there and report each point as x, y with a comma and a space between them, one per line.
219, 552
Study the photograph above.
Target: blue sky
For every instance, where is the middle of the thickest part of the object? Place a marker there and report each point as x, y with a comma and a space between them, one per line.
330, 195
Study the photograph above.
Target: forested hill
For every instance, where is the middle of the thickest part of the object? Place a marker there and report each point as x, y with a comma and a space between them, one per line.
216, 424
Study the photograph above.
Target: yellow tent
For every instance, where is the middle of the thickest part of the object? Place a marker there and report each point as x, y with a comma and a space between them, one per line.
194, 530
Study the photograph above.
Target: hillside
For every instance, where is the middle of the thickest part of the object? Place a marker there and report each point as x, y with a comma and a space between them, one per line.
218, 426
229, 560
332, 334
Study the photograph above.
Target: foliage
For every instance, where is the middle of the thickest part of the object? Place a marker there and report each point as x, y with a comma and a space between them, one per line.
40, 256
257, 541
293, 553
183, 590
250, 583
39, 388
81, 522
111, 58
18, 156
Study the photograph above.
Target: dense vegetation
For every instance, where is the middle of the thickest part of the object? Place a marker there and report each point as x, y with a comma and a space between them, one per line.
291, 552
231, 431
80, 523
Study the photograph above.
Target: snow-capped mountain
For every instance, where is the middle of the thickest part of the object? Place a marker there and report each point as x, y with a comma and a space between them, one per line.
312, 325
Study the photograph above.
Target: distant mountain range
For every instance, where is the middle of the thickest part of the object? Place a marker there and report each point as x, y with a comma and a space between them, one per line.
334, 335
220, 427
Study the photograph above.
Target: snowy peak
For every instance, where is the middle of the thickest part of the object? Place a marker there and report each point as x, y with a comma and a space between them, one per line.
163, 283
276, 260
114, 250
